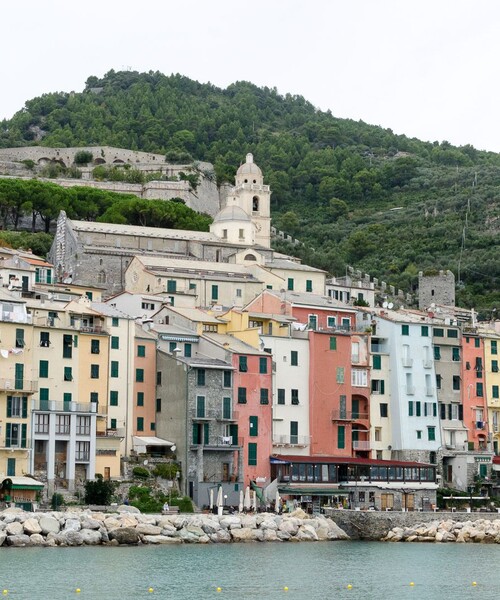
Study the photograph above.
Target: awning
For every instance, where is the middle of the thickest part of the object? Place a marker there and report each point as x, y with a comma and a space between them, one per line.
311, 491
24, 483
141, 443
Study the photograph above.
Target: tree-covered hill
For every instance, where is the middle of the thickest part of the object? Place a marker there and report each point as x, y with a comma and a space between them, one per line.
353, 193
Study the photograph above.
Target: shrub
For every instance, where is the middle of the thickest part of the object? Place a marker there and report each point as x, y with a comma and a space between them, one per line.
99, 491
167, 470
140, 473
57, 501
83, 157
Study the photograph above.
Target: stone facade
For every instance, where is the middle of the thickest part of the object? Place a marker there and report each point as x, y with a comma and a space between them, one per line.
436, 289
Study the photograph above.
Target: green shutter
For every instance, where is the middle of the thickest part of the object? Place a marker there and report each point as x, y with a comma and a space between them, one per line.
382, 386
233, 432
140, 424
226, 408
215, 292
333, 343
196, 434
140, 398
9, 406
8, 434
252, 454
49, 275
19, 377
206, 433
418, 408
200, 407
263, 365
410, 408
253, 426
43, 369
11, 468
115, 342
25, 407
341, 436
377, 361
24, 428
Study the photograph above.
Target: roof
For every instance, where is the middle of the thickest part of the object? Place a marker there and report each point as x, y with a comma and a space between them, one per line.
309, 299
231, 213
109, 311
274, 317
249, 167
291, 265
206, 363
25, 483
140, 442
233, 344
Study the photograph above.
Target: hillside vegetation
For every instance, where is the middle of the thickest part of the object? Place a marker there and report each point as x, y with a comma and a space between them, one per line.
354, 193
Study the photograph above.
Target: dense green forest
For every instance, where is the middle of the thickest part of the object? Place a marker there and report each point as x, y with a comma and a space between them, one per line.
353, 193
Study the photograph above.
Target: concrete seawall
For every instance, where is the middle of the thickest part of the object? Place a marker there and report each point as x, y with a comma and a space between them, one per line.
372, 525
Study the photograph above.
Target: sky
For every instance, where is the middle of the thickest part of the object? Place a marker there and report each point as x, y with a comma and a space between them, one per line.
426, 69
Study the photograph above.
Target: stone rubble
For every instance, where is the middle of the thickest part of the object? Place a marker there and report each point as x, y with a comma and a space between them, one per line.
481, 531
129, 526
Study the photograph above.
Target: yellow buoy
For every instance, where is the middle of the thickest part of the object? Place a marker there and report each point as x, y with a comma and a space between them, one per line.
349, 586
77, 590
150, 590
285, 589
474, 583
411, 583
219, 589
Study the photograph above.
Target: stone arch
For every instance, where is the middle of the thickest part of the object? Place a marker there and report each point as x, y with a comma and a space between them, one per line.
250, 257
99, 161
118, 161
255, 204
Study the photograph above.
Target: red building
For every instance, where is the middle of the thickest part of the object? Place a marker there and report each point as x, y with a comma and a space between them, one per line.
475, 410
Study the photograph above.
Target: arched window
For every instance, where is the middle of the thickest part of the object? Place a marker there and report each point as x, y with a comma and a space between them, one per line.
255, 204
101, 277
250, 257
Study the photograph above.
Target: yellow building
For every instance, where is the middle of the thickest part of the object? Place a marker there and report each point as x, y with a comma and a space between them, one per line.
492, 384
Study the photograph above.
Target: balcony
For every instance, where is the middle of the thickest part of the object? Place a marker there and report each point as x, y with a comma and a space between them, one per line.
427, 362
201, 415
407, 361
300, 441
82, 456
348, 415
480, 425
361, 445
58, 406
221, 443
227, 416
16, 317
21, 386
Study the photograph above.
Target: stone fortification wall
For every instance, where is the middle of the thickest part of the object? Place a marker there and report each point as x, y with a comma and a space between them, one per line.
372, 525
129, 526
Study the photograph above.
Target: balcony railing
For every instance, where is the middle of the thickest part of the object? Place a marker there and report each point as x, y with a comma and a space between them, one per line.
204, 415
291, 440
58, 406
220, 442
348, 415
82, 456
361, 445
14, 317
227, 416
427, 362
18, 385
407, 361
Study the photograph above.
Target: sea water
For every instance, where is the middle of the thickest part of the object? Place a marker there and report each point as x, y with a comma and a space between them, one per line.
354, 570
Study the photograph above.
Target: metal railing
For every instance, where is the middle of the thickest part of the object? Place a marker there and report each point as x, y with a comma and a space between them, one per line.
348, 415
18, 385
224, 416
291, 440
58, 406
361, 444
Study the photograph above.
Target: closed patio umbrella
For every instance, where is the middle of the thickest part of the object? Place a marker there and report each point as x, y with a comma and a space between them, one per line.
247, 503
220, 504
211, 496
277, 502
240, 505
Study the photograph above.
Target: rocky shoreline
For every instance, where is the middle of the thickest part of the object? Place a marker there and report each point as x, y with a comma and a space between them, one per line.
84, 527
482, 531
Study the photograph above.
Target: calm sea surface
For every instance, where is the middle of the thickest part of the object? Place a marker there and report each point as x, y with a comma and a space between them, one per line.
310, 571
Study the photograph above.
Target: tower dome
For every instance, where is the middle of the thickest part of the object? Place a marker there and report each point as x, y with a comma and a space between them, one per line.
249, 172
231, 213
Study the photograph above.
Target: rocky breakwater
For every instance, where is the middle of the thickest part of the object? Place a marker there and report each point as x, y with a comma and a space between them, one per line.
483, 531
77, 528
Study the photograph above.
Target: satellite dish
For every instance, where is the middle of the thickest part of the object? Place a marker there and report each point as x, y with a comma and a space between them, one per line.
173, 448
385, 305
390, 305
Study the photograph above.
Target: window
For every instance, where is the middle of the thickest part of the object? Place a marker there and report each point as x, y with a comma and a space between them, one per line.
262, 365
294, 358
172, 346
419, 434
113, 398
227, 379
243, 364
452, 333
94, 347
309, 285
410, 408
114, 322
200, 377
281, 396
331, 322
378, 434
377, 361
313, 322
200, 407
438, 381
44, 339
140, 423
115, 367
238, 292
477, 343
424, 330
437, 352
418, 408
455, 353
252, 455
115, 342
405, 330
242, 395
290, 284
456, 382
43, 368
112, 424
340, 374
42, 423
94, 397
140, 398
82, 425
295, 397
479, 390
67, 346
431, 434
333, 343
187, 350
294, 432
17, 406
215, 292
139, 375
68, 374
494, 391
226, 408
494, 346
94, 371
141, 351
62, 423
264, 396
171, 286
341, 436
494, 366
359, 377
253, 426
152, 426
378, 386
158, 404
438, 332
158, 377
384, 410
19, 338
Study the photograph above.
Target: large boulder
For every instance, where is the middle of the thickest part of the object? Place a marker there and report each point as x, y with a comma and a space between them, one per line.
49, 525
14, 528
37, 540
147, 529
230, 522
306, 533
72, 537
19, 540
161, 539
128, 521
125, 508
90, 523
72, 525
243, 534
125, 535
31, 526
3, 537
210, 526
90, 537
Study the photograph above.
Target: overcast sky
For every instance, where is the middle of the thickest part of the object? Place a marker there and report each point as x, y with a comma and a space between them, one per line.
424, 68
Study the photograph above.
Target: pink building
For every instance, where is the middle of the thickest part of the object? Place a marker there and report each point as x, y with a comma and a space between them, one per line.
475, 410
